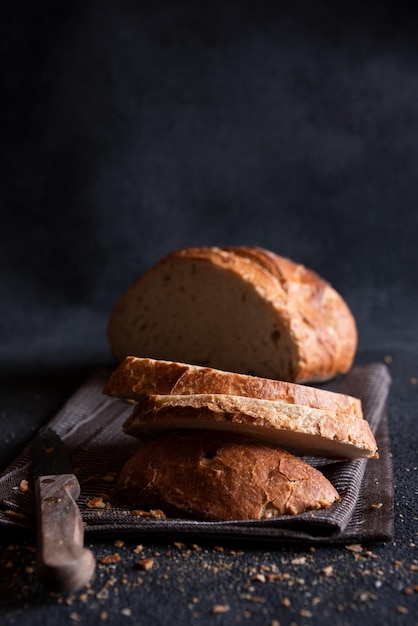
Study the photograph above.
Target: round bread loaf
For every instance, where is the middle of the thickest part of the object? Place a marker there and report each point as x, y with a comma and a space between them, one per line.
239, 309
217, 476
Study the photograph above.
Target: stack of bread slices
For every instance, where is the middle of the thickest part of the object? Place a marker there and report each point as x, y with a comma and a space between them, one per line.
227, 443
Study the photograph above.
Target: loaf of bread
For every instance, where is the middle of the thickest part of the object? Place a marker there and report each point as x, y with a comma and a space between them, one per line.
302, 430
239, 309
136, 376
218, 476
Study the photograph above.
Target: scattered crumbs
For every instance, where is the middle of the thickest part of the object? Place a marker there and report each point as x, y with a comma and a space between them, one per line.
110, 558
413, 380
328, 571
257, 599
14, 514
387, 358
366, 595
145, 564
301, 596
158, 514
370, 554
260, 578
355, 547
127, 612
271, 577
378, 505
154, 513
220, 608
103, 594
23, 486
139, 513
96, 503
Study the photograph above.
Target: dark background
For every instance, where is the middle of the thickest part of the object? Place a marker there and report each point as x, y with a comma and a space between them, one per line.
130, 129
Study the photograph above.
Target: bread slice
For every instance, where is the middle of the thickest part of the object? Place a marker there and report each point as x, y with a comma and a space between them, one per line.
300, 429
219, 477
137, 376
239, 309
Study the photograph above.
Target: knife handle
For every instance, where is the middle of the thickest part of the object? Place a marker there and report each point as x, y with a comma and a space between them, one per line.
63, 563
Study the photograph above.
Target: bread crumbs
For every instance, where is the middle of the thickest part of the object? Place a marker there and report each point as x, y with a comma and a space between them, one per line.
220, 608
328, 571
23, 486
145, 564
110, 558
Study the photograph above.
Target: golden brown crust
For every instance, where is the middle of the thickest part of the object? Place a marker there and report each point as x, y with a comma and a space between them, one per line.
300, 429
220, 477
321, 336
316, 306
137, 376
320, 323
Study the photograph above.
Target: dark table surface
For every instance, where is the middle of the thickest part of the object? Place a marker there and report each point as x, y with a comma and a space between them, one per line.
133, 129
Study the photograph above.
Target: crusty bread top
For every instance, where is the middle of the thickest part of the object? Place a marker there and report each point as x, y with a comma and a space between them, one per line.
219, 476
137, 376
299, 429
314, 303
241, 309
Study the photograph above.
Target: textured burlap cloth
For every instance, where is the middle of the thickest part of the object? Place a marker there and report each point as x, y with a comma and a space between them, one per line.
90, 425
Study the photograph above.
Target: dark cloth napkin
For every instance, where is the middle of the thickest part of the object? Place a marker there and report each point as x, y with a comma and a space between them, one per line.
90, 425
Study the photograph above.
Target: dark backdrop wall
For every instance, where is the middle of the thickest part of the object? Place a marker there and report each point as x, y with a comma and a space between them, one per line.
132, 128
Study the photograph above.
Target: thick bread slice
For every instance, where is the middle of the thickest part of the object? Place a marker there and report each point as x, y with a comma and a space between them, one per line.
137, 376
240, 309
300, 429
215, 477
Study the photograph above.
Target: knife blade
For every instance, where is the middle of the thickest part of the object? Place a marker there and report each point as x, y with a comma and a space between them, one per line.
63, 563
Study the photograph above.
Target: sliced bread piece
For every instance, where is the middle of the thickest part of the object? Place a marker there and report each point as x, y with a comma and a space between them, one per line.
137, 376
241, 309
217, 477
300, 429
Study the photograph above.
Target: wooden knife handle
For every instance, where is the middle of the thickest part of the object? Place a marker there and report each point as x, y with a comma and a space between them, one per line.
63, 563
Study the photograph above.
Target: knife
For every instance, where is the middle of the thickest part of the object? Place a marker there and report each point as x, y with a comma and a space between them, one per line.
63, 563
